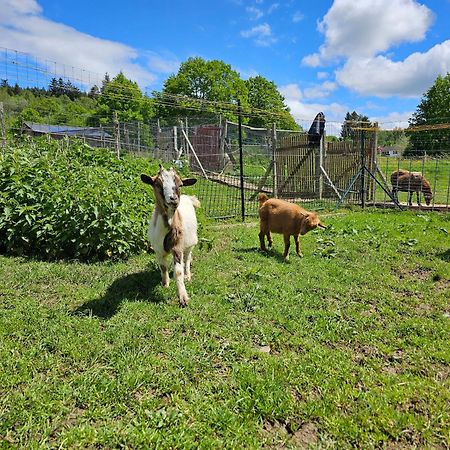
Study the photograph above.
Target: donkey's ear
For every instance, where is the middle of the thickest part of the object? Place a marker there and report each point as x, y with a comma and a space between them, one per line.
147, 179
189, 181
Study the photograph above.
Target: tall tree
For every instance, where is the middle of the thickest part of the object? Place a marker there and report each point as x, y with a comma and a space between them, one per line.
122, 96
204, 81
428, 131
354, 120
267, 105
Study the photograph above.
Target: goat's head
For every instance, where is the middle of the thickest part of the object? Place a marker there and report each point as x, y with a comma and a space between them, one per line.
428, 196
310, 222
166, 186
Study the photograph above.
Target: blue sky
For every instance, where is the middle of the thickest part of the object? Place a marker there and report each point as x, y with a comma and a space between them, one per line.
377, 57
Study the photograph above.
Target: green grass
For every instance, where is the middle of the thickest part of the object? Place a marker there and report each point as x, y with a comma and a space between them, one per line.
346, 347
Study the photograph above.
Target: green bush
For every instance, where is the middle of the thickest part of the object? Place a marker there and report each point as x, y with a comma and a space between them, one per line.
68, 200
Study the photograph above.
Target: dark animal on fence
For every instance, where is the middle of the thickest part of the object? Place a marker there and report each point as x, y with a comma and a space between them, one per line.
405, 181
288, 219
316, 129
173, 226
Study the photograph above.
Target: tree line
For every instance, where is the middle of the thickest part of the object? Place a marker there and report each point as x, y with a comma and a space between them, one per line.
202, 89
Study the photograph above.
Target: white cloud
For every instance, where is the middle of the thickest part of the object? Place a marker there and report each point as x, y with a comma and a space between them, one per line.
24, 28
364, 29
291, 92
256, 13
322, 75
321, 90
273, 7
304, 112
297, 17
162, 63
393, 120
262, 35
383, 77
312, 60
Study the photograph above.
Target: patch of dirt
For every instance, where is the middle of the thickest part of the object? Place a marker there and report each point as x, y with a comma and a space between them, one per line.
305, 436
443, 285
283, 437
424, 309
418, 273
73, 417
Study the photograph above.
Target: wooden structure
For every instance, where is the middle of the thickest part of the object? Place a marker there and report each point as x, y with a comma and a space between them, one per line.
307, 169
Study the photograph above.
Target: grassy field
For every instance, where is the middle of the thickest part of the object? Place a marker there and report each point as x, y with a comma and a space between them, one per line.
344, 348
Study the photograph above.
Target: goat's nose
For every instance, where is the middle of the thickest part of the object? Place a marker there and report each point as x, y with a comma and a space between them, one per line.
174, 198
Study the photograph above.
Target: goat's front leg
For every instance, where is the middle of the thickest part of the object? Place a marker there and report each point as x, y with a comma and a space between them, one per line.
297, 245
395, 195
178, 271
410, 195
164, 267
418, 198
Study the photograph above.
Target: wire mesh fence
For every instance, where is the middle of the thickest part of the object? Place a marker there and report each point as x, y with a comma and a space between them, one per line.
322, 165
318, 173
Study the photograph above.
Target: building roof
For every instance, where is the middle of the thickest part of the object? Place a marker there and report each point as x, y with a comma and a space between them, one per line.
67, 130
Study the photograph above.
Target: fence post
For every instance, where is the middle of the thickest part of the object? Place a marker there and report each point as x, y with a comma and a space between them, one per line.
274, 161
2, 125
241, 160
158, 152
175, 141
319, 165
117, 133
373, 161
363, 170
139, 136
221, 144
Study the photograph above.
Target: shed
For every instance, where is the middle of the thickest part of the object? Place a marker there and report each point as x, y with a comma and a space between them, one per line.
97, 137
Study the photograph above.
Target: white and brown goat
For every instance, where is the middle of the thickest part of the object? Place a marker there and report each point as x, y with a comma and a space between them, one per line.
288, 219
173, 227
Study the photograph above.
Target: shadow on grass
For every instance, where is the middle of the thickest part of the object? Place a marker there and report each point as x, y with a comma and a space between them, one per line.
445, 255
274, 254
141, 286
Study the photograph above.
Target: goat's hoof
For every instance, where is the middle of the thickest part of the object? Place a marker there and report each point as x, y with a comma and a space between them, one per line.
300, 255
165, 285
184, 301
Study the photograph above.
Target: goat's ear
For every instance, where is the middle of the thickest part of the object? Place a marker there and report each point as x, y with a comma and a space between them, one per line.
189, 181
147, 179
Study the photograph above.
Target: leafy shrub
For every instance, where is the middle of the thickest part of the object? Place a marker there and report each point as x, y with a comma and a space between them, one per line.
68, 200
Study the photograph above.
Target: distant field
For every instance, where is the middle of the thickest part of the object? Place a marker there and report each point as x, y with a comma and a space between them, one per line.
344, 348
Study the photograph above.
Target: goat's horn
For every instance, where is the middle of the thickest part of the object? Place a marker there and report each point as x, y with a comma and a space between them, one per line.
321, 225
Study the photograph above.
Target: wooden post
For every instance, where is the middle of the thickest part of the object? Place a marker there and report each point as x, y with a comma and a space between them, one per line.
221, 144
373, 160
319, 165
186, 146
2, 125
274, 161
158, 140
241, 160
117, 133
139, 137
175, 141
